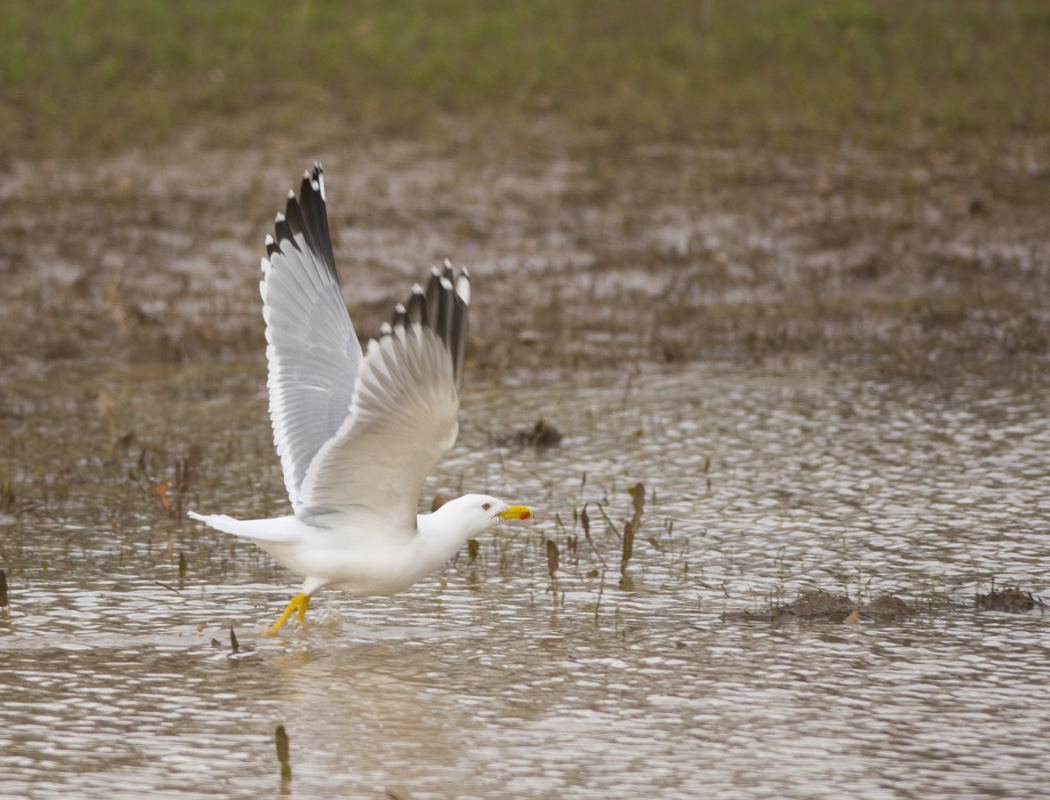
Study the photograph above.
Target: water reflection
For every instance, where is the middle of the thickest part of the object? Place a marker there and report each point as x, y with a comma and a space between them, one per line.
492, 679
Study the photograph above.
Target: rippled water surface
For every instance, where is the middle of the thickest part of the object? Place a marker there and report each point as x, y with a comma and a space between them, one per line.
492, 679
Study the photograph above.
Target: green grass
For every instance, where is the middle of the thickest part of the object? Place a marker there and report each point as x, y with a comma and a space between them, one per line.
91, 75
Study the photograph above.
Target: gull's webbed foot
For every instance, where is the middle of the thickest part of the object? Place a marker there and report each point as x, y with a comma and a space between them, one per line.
300, 602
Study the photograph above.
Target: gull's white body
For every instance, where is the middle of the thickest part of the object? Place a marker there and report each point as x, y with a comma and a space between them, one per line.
358, 432
363, 561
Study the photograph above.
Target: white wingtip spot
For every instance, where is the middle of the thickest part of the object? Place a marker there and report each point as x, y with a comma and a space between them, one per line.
385, 329
280, 217
417, 289
448, 263
320, 181
400, 309
446, 284
291, 194
463, 288
435, 272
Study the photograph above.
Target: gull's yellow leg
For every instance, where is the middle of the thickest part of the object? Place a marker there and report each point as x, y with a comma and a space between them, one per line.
300, 601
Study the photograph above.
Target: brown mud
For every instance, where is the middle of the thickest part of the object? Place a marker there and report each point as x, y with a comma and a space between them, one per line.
585, 256
817, 605
1012, 599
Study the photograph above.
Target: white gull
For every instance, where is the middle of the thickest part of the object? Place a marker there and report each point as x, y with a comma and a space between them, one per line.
358, 432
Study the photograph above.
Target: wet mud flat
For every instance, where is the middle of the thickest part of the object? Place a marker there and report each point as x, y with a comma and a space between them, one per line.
585, 255
826, 372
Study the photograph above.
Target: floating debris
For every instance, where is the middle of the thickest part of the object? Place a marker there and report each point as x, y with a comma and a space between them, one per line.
234, 644
542, 434
886, 606
820, 606
3, 589
161, 490
1010, 599
817, 605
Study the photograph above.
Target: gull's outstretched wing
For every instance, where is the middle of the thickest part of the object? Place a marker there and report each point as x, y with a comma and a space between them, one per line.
403, 416
312, 352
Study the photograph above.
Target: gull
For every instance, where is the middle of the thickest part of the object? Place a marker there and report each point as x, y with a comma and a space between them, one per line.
358, 431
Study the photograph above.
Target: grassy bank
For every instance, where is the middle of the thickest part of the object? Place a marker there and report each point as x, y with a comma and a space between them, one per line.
91, 76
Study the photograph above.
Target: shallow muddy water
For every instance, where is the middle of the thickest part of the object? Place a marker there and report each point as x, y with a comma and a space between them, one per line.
492, 679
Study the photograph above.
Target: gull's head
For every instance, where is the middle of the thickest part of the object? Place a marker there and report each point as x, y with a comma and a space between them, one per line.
476, 513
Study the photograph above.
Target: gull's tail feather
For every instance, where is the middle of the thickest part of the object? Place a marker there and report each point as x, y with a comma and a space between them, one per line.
281, 529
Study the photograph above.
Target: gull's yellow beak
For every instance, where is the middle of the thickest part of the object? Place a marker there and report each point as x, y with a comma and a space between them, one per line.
516, 512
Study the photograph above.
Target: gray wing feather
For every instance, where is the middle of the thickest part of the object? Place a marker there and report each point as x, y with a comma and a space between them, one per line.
403, 417
313, 354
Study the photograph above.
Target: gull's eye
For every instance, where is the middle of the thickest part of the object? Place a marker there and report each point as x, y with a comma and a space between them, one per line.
486, 506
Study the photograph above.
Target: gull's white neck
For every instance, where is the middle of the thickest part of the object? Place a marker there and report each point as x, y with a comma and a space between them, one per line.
441, 535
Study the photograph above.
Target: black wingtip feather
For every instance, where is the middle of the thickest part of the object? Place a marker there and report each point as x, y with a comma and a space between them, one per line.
446, 305
441, 308
417, 307
457, 343
283, 231
400, 316
307, 215
434, 297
